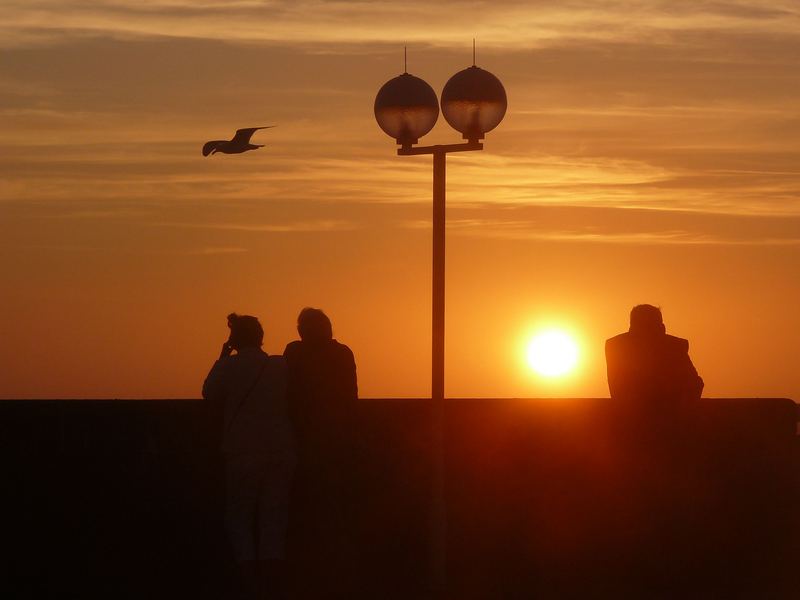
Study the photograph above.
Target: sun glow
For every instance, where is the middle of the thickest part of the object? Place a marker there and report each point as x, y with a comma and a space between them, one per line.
552, 353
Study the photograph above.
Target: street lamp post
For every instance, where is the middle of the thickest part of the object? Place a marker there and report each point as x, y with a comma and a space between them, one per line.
406, 108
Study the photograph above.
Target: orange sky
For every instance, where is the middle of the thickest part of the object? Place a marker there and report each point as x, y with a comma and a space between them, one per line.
650, 153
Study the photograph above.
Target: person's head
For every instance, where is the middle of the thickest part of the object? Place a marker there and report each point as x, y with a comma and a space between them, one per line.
246, 331
313, 325
646, 319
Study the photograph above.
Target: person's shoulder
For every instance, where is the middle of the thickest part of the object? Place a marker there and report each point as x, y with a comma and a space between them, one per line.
225, 361
342, 349
276, 360
292, 348
276, 366
222, 367
676, 342
617, 339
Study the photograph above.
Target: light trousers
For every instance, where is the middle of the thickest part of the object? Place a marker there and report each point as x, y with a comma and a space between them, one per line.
257, 489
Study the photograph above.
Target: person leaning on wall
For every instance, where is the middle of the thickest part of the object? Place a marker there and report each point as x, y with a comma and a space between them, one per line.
246, 389
646, 365
323, 394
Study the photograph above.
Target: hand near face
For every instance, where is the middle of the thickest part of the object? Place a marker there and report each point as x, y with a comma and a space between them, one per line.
227, 349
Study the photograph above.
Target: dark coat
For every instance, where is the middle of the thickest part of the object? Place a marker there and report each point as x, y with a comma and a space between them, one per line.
651, 368
322, 393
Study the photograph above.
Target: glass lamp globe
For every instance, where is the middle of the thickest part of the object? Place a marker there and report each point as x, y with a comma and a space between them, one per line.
474, 102
406, 108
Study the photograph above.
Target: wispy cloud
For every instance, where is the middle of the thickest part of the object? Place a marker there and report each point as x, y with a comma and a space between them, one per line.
513, 230
296, 227
210, 251
658, 105
608, 225
506, 24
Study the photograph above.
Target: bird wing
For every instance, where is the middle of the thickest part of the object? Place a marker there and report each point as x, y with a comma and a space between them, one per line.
208, 147
243, 135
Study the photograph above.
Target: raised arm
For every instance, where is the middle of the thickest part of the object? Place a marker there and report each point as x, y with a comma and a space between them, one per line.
694, 383
215, 386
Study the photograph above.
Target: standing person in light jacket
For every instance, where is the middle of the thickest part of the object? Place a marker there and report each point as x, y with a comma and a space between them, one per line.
246, 390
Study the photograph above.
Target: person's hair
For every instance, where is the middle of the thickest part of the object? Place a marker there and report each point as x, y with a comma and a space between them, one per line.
313, 325
646, 318
246, 331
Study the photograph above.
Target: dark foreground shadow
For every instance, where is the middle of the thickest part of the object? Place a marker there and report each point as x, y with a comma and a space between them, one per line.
546, 499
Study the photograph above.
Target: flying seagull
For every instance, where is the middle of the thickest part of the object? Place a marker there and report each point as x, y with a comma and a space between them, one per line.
240, 142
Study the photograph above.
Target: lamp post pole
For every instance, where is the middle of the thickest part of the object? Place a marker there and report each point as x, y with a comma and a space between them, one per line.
439, 503
406, 108
438, 514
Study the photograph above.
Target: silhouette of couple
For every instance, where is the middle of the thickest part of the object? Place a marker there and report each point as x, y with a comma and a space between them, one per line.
283, 430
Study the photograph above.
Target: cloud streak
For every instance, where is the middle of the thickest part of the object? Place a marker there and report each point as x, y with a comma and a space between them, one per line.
607, 225
502, 24
688, 106
296, 227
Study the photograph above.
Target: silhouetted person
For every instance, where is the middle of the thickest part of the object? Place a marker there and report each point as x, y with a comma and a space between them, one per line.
247, 392
322, 398
645, 365
653, 382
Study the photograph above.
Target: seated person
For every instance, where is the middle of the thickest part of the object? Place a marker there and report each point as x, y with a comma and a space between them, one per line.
647, 365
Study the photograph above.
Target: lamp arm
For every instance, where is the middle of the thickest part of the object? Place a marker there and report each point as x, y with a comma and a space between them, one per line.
439, 149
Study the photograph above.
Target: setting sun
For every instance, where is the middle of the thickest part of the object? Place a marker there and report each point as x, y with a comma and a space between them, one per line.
552, 353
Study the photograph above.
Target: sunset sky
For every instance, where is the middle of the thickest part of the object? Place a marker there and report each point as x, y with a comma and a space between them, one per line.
650, 153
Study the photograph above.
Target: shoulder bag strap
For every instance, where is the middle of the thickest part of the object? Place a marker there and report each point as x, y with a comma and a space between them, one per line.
247, 395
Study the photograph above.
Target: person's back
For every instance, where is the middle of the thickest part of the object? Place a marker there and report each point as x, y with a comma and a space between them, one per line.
322, 393
647, 365
322, 387
250, 388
